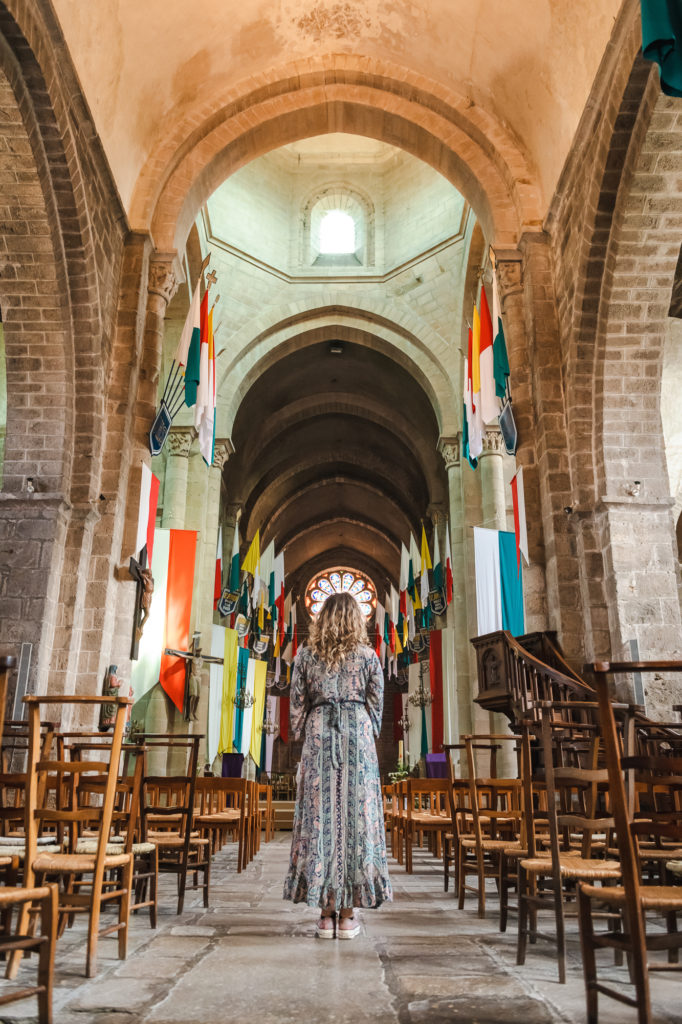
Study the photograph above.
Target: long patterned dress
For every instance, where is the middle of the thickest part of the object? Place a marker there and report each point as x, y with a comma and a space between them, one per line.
338, 847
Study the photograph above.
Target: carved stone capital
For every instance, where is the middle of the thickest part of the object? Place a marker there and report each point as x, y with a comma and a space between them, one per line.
180, 441
450, 449
162, 277
437, 514
222, 451
492, 442
234, 512
509, 270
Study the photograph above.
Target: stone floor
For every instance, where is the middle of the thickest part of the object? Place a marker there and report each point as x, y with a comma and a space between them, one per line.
253, 959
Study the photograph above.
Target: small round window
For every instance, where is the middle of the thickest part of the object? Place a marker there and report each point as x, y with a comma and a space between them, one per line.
338, 581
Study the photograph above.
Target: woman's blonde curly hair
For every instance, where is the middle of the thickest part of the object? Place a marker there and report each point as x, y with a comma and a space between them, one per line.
337, 629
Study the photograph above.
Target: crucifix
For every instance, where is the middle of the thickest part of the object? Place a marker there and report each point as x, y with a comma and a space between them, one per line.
142, 574
194, 663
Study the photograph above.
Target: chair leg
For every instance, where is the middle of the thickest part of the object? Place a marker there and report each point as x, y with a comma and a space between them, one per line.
522, 916
589, 959
207, 877
93, 930
480, 871
48, 928
503, 886
124, 908
153, 886
560, 928
671, 928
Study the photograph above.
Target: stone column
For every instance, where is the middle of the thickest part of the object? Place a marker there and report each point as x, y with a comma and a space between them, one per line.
491, 467
178, 447
457, 677
494, 502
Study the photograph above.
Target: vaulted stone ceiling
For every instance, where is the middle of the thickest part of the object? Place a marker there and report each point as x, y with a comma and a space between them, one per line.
160, 70
336, 461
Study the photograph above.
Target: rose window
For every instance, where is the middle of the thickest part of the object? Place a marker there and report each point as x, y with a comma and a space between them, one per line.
338, 581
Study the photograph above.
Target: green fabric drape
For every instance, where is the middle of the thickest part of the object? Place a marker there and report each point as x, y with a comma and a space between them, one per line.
425, 735
511, 586
662, 41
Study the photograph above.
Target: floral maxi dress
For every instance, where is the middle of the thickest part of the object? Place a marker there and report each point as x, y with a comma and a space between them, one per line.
338, 847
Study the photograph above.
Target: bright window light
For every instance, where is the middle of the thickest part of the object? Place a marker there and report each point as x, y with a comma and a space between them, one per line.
337, 233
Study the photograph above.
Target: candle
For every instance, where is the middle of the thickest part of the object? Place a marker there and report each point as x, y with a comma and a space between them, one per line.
400, 750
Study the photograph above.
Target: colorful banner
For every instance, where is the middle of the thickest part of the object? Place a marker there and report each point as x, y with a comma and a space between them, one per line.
215, 693
181, 557
260, 670
499, 582
436, 681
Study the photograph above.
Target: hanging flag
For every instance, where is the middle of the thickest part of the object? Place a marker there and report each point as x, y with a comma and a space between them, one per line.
519, 503
193, 368
404, 577
284, 711
260, 669
279, 597
499, 584
500, 359
215, 693
251, 563
379, 616
267, 568
413, 566
179, 586
436, 683
145, 671
490, 405
218, 583
662, 41
294, 631
448, 565
438, 575
475, 358
243, 664
233, 582
475, 421
187, 352
424, 570
204, 412
146, 517
229, 689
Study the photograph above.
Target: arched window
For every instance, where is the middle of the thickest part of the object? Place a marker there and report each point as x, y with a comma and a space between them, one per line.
337, 233
338, 229
337, 581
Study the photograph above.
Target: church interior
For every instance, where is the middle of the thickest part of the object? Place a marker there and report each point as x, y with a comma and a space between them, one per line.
319, 297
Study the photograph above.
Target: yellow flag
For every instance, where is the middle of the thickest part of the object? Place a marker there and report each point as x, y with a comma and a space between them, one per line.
476, 353
231, 658
252, 561
258, 709
261, 611
426, 557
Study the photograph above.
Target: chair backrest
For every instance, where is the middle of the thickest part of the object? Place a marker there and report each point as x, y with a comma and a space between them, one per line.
489, 796
167, 801
74, 806
429, 795
576, 797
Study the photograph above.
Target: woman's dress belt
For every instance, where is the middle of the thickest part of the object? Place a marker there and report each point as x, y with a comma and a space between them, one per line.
335, 722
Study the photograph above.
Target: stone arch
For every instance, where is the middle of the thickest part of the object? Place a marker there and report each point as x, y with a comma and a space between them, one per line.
58, 291
407, 340
342, 92
633, 592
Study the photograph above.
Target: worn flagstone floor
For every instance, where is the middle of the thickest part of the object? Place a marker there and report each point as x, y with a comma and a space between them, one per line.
253, 959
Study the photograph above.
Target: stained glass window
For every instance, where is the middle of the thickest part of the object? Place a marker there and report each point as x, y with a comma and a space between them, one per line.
337, 581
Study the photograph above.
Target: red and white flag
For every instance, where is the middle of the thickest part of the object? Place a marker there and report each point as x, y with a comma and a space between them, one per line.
448, 565
218, 584
519, 517
146, 517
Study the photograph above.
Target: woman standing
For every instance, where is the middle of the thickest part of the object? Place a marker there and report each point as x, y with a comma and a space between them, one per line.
338, 847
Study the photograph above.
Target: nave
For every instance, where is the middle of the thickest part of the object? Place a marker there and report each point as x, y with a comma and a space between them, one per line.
251, 957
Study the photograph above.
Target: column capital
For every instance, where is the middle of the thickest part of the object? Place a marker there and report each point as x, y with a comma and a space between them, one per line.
492, 442
437, 514
222, 451
180, 441
234, 511
163, 280
450, 449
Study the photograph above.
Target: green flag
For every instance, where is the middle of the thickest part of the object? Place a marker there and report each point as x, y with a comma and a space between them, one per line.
500, 361
425, 736
662, 41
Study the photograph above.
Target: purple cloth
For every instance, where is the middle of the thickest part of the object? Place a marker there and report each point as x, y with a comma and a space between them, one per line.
232, 766
436, 766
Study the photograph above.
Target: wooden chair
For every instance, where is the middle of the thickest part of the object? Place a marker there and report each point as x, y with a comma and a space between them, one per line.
574, 810
167, 812
427, 811
43, 898
221, 807
494, 820
460, 813
90, 892
632, 899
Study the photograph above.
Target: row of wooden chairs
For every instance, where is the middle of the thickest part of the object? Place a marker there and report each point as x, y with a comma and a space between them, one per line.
591, 827
84, 824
